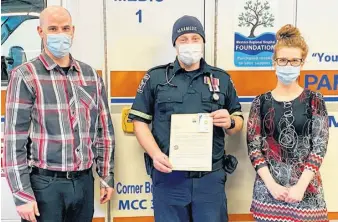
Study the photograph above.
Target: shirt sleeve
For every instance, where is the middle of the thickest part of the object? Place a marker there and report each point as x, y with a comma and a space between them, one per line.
19, 103
105, 140
232, 103
254, 138
143, 106
319, 134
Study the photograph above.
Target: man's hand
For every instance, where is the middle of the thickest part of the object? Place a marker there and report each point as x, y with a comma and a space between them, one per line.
277, 191
105, 194
296, 194
221, 118
161, 163
28, 211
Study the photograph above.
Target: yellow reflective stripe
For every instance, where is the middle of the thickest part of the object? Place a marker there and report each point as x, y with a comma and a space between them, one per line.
237, 114
140, 114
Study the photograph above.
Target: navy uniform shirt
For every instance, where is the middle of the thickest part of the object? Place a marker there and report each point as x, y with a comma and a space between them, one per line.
188, 92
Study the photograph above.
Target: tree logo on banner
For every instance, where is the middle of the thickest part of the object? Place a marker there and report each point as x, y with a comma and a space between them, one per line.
255, 49
257, 14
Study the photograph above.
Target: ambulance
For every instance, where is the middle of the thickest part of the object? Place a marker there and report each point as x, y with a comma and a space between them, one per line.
122, 39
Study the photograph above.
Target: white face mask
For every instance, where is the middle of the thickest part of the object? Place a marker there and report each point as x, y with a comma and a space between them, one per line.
287, 74
59, 44
190, 53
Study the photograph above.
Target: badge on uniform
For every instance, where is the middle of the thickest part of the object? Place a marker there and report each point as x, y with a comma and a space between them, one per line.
143, 83
213, 83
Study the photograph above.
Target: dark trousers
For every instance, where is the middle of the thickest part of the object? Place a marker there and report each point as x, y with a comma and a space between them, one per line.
64, 200
177, 198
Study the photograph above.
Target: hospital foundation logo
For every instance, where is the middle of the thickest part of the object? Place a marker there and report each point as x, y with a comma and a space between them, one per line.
254, 43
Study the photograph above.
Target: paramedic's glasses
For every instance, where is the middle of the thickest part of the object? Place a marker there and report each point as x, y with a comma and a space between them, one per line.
284, 61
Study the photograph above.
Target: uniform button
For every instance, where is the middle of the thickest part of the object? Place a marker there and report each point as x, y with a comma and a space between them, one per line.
73, 112
169, 99
75, 130
77, 150
190, 85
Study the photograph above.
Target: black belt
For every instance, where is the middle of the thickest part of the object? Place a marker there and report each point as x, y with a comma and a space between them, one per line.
198, 174
228, 163
60, 174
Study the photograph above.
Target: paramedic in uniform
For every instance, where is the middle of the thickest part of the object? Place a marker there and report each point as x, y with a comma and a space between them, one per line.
188, 85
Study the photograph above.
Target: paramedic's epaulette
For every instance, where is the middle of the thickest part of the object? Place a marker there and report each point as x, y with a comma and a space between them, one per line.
157, 67
219, 70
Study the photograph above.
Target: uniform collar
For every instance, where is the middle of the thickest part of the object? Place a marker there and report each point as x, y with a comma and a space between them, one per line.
50, 64
204, 67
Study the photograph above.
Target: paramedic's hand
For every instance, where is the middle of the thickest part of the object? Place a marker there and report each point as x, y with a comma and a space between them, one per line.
161, 162
221, 118
277, 191
296, 194
105, 194
28, 211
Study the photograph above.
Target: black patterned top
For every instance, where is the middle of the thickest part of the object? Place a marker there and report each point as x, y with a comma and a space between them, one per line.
288, 137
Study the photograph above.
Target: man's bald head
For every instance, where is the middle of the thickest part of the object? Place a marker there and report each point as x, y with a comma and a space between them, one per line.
54, 13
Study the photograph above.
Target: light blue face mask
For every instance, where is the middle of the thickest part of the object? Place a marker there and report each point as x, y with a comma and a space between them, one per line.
287, 74
59, 44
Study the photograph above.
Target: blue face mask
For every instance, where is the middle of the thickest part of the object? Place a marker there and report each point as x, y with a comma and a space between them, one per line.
59, 44
287, 74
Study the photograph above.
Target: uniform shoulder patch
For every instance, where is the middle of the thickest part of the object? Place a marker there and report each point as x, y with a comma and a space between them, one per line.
157, 67
219, 70
143, 83
146, 77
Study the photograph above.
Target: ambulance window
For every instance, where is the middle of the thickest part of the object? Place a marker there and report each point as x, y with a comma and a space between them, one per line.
19, 40
11, 23
3, 18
